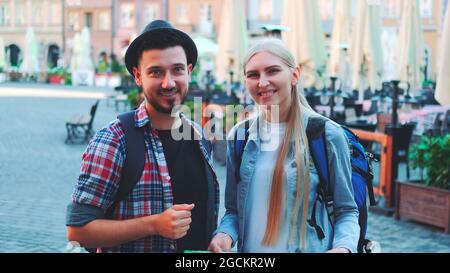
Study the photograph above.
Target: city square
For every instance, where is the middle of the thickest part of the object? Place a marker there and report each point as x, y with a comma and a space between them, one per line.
378, 68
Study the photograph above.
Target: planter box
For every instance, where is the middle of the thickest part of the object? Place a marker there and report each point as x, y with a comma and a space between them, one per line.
55, 79
107, 80
14, 76
83, 77
101, 80
424, 204
114, 80
2, 77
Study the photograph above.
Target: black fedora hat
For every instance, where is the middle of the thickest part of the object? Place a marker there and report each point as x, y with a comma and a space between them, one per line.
155, 30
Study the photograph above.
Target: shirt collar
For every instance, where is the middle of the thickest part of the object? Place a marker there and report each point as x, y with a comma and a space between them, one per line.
141, 118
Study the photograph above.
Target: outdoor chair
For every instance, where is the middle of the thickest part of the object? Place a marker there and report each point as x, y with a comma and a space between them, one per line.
373, 108
80, 128
433, 124
121, 93
382, 120
404, 137
350, 114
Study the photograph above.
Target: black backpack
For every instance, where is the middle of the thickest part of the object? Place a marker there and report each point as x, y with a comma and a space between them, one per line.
134, 162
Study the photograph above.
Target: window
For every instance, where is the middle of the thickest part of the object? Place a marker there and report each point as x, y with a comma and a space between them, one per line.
391, 8
265, 10
206, 13
55, 13
127, 15
74, 21
326, 8
151, 12
88, 20
4, 16
37, 10
444, 8
104, 21
182, 17
426, 8
20, 12
73, 3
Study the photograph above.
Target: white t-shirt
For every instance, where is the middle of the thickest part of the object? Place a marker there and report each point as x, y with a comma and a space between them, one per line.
257, 204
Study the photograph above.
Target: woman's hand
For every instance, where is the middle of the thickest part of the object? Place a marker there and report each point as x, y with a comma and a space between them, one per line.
338, 250
220, 243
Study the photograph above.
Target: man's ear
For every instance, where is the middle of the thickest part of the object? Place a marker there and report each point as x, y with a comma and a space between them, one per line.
189, 70
296, 75
137, 76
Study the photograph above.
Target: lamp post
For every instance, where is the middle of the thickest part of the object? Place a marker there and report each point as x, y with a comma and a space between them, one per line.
113, 24
208, 86
333, 86
395, 102
393, 130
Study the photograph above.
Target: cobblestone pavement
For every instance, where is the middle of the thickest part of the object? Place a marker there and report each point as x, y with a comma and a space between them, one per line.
38, 172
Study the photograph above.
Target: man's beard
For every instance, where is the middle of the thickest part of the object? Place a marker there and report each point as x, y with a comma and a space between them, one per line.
158, 107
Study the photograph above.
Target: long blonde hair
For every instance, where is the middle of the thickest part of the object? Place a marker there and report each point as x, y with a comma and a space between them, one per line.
295, 129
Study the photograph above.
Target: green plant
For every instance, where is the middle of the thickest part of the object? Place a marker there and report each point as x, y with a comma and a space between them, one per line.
428, 83
193, 85
134, 97
190, 104
102, 67
218, 87
119, 68
61, 71
433, 154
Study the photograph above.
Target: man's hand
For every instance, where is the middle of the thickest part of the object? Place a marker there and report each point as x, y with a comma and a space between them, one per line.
220, 243
174, 222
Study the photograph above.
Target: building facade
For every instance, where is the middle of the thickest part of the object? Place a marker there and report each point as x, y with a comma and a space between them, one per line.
46, 19
94, 14
114, 23
196, 16
130, 18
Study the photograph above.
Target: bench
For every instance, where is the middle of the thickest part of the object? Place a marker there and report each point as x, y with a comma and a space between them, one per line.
80, 127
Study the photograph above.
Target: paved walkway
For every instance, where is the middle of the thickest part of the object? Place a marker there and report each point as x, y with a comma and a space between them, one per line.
38, 172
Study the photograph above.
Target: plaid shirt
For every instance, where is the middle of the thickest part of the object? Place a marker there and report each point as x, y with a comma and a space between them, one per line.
100, 174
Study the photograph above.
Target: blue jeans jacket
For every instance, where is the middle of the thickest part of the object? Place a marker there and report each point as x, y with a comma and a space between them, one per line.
346, 229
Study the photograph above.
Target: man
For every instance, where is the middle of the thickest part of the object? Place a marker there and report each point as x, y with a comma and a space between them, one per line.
173, 207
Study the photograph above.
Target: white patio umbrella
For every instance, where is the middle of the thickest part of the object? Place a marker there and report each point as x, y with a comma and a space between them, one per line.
410, 50
232, 40
442, 93
82, 66
30, 63
84, 58
207, 50
305, 39
340, 37
76, 45
2, 54
366, 51
205, 46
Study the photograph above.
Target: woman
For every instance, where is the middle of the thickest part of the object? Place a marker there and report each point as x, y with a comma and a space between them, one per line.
265, 206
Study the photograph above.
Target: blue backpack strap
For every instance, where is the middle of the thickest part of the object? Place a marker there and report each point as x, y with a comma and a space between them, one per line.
134, 159
239, 145
315, 131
